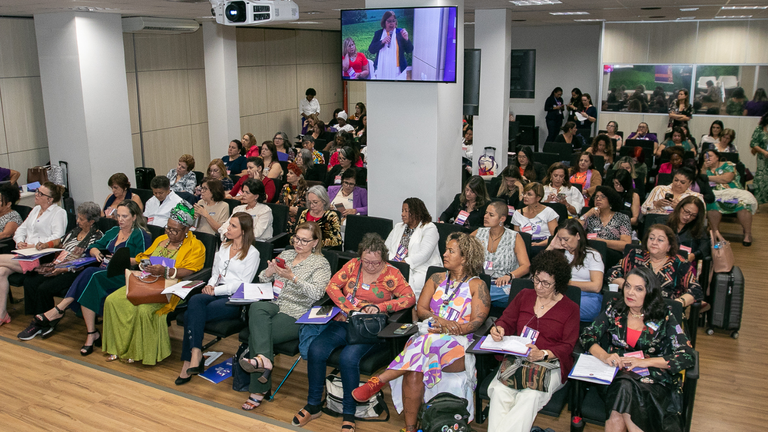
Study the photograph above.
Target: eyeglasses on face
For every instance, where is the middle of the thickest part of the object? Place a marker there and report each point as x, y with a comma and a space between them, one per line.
172, 231
372, 263
38, 193
300, 241
350, 184
544, 284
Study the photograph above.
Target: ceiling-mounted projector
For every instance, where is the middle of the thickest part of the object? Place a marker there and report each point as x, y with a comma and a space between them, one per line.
253, 12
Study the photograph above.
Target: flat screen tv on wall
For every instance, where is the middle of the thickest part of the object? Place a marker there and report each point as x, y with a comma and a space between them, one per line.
405, 44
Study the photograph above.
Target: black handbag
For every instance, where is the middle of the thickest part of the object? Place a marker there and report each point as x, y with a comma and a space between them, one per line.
364, 328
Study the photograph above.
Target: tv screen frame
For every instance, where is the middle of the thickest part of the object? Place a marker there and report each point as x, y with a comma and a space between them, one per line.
447, 38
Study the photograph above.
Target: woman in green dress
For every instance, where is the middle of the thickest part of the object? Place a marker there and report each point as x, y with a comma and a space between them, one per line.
729, 196
140, 332
759, 145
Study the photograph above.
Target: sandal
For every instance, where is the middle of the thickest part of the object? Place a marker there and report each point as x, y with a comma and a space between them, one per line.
88, 349
303, 417
263, 366
348, 426
252, 403
44, 321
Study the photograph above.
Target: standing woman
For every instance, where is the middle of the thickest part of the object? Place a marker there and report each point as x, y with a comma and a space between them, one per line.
585, 174
558, 189
45, 224
211, 210
235, 263
285, 151
253, 204
758, 106
319, 211
354, 65
681, 110
270, 157
612, 130
234, 160
121, 190
554, 107
575, 105
505, 255
588, 113
389, 45
469, 205
759, 146
294, 194
535, 218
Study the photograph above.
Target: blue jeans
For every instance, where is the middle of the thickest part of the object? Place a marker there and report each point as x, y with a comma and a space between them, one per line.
499, 298
334, 336
591, 303
203, 308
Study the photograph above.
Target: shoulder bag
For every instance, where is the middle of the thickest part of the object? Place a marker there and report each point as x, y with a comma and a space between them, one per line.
722, 255
364, 328
518, 373
145, 290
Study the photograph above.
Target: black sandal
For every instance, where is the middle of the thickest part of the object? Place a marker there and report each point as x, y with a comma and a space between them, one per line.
45, 322
348, 427
251, 404
88, 349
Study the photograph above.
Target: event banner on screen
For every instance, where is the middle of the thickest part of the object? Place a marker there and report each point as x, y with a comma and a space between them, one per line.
409, 44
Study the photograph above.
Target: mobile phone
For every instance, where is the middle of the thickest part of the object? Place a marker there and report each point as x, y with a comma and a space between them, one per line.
561, 196
280, 262
403, 329
340, 207
324, 310
145, 262
669, 197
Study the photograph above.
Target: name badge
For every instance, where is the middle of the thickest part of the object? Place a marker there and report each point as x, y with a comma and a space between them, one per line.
211, 213
449, 313
149, 220
402, 252
488, 267
462, 217
510, 211
366, 287
627, 204
592, 236
229, 172
277, 288
526, 229
352, 300
337, 180
685, 249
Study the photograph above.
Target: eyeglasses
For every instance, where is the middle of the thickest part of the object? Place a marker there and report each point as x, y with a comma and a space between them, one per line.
300, 241
350, 184
544, 284
38, 193
690, 214
372, 263
172, 231
391, 20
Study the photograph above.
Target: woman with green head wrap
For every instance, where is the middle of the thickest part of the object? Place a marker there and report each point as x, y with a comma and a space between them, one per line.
140, 333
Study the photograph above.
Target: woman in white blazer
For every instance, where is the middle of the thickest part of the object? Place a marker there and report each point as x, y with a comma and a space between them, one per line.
414, 241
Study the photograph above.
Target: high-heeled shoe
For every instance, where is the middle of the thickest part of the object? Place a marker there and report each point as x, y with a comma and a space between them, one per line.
88, 349
6, 320
200, 368
48, 326
264, 367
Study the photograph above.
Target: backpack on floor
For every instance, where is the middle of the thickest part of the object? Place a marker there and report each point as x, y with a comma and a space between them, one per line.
369, 410
241, 379
444, 410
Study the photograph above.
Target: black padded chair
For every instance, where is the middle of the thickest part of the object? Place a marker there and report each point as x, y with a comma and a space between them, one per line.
358, 226
443, 231
144, 194
280, 233
560, 209
232, 203
22, 210
663, 179
105, 224
434, 269
561, 148
653, 219
155, 231
547, 159
199, 176
527, 239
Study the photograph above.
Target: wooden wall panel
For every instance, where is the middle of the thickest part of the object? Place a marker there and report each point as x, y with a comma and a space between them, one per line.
136, 142
286, 121
309, 47
162, 148
198, 102
156, 52
5, 162
22, 160
23, 114
257, 125
18, 48
672, 42
195, 49
282, 93
332, 47
722, 42
200, 149
333, 87
3, 142
356, 92
250, 47
757, 48
626, 43
311, 76
252, 86
164, 99
133, 108
327, 109
280, 47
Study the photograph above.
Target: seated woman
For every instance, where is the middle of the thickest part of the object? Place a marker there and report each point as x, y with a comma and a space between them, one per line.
602, 146
700, 181
347, 158
92, 286
121, 190
622, 184
269, 156
352, 198
319, 211
234, 160
211, 211
675, 155
729, 196
505, 255
558, 189
218, 171
249, 143
455, 303
640, 321
235, 263
586, 266
510, 188
182, 179
9, 219
714, 136
140, 333
44, 225
468, 207
294, 194
663, 199
47, 281
529, 169
635, 165
354, 158
285, 151
570, 135
612, 131
365, 285
676, 140
586, 175
546, 309
535, 218
642, 133
303, 279
606, 222
687, 222
255, 170
659, 253
725, 144
253, 204
414, 241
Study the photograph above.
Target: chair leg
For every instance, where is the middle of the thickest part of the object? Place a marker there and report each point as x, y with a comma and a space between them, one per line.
272, 397
211, 343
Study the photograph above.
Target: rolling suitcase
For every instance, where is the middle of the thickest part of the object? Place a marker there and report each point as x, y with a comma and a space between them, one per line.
727, 291
144, 177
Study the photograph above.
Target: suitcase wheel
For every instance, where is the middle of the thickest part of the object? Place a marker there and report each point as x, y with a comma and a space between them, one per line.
710, 331
735, 335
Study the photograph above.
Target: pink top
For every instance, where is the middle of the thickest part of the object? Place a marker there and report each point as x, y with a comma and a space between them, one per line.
632, 336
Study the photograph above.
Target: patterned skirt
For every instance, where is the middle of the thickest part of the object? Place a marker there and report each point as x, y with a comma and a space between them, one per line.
429, 354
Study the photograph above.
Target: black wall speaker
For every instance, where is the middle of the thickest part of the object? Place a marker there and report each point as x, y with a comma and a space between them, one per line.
522, 77
471, 81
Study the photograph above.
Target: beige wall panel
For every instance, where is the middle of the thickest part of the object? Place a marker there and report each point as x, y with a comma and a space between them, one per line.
327, 109
133, 107
252, 87
757, 48
160, 52
3, 143
309, 47
626, 43
164, 97
18, 48
332, 80
356, 92
332, 47
282, 93
198, 102
5, 162
280, 47
681, 51
722, 42
195, 50
657, 123
200, 149
311, 76
257, 125
130, 64
162, 148
250, 47
286, 121
23, 114
20, 161
136, 141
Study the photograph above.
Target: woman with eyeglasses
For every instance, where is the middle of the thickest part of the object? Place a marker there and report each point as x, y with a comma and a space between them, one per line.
45, 224
211, 211
253, 204
688, 223
342, 160
365, 285
389, 45
730, 197
605, 221
350, 197
285, 151
294, 193
544, 308
92, 286
235, 263
319, 211
140, 333
612, 130
218, 171
302, 277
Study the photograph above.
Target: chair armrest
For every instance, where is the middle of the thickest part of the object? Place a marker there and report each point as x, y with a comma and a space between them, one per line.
279, 241
389, 331
693, 371
485, 328
203, 275
324, 300
402, 316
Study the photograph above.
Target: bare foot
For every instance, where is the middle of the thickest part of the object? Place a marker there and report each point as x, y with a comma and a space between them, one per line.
184, 368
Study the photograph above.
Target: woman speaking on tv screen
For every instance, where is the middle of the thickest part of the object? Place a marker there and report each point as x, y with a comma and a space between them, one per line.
390, 45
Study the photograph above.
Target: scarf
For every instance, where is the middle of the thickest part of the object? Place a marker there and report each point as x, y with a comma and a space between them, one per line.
388, 65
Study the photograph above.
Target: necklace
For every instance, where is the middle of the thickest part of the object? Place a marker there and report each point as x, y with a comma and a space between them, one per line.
634, 315
493, 239
550, 302
165, 252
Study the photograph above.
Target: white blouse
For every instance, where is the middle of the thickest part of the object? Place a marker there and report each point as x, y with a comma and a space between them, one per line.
262, 221
537, 226
50, 225
233, 271
573, 196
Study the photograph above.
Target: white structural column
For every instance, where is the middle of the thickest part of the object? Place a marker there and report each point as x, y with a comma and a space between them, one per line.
221, 85
85, 97
493, 36
414, 133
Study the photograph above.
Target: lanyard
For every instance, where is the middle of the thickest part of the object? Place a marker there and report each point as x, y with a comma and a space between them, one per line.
453, 295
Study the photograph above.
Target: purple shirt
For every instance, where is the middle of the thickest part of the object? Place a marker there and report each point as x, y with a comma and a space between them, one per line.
5, 174
648, 137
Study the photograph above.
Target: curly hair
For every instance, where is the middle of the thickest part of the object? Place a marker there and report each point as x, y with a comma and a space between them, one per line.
418, 210
654, 308
554, 264
472, 252
372, 242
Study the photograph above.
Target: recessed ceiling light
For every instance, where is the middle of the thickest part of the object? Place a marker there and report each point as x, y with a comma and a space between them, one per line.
589, 20
734, 16
743, 7
686, 18
313, 13
688, 9
650, 8
569, 13
534, 2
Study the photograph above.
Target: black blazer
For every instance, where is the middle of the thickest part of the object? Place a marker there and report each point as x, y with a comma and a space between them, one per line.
405, 46
554, 114
703, 182
475, 218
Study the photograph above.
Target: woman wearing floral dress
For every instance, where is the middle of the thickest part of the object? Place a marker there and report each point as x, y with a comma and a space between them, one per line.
759, 145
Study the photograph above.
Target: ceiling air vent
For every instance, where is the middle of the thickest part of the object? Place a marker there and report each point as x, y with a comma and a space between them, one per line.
159, 25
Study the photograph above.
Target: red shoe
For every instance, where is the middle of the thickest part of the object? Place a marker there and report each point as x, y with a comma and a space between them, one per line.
6, 320
367, 390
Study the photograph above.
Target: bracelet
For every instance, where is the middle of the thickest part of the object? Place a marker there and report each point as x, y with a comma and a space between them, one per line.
294, 278
175, 271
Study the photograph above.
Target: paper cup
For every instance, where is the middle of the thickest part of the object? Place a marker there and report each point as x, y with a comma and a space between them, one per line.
613, 287
24, 188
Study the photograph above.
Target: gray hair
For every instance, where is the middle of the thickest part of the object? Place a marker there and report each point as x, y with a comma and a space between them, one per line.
372, 242
321, 193
307, 159
90, 211
308, 138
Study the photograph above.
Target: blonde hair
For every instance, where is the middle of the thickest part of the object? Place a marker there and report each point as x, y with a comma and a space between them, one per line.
471, 250
345, 45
